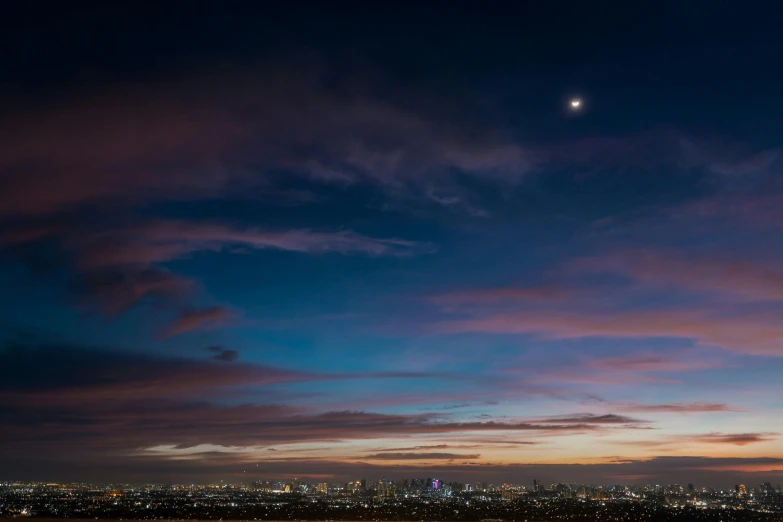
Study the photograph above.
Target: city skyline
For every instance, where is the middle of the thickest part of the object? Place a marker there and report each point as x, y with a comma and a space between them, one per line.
310, 484
493, 243
416, 499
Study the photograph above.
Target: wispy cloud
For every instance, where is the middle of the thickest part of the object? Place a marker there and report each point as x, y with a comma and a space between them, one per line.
421, 456
159, 241
183, 143
112, 291
429, 447
116, 268
736, 439
729, 439
655, 362
501, 295
750, 279
199, 318
755, 333
678, 407
223, 354
107, 400
727, 159
712, 293
589, 418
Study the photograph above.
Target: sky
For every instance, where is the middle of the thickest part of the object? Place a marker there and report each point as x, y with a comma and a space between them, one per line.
338, 241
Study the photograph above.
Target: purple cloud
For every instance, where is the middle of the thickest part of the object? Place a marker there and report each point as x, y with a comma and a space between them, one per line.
199, 318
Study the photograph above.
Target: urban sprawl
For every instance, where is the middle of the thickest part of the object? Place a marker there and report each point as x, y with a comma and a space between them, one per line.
427, 499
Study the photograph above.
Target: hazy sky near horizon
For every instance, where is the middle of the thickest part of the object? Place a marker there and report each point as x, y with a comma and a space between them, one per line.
342, 241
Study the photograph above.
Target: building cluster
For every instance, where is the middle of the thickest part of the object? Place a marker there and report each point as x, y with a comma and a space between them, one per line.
418, 499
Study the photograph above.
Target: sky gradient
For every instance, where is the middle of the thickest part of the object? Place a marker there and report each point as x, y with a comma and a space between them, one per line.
339, 242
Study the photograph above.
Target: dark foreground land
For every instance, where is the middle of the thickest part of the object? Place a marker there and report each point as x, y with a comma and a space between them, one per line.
450, 509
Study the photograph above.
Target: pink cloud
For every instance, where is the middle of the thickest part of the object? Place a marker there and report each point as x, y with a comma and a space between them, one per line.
677, 407
654, 362
625, 370
199, 318
174, 141
714, 274
735, 328
757, 333
99, 400
114, 291
753, 208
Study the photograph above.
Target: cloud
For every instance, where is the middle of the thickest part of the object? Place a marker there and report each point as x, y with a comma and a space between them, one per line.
653, 362
732, 439
98, 400
199, 318
757, 209
113, 291
736, 439
483, 443
501, 294
759, 333
111, 422
416, 448
420, 456
505, 442
75, 373
206, 136
589, 418
117, 267
161, 240
222, 354
719, 472
175, 142
743, 278
678, 407
714, 291
227, 355
727, 159
644, 366
73, 172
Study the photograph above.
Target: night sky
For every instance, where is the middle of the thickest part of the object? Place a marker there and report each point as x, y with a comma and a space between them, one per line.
339, 241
